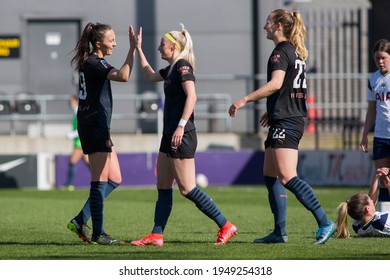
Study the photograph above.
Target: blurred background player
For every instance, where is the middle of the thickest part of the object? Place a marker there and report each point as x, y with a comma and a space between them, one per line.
77, 152
367, 222
179, 140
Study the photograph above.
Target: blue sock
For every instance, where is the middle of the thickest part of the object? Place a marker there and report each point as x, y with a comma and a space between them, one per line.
162, 210
70, 174
278, 202
96, 196
307, 198
111, 185
85, 213
207, 206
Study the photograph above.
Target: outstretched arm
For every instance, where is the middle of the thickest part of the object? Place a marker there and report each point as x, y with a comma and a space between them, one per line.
372, 193
269, 88
147, 70
123, 74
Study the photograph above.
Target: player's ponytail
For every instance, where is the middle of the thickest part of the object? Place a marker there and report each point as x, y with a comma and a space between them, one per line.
92, 33
183, 38
342, 221
354, 207
293, 29
298, 36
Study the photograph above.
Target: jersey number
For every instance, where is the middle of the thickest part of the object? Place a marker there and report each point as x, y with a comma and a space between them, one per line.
279, 133
83, 88
298, 81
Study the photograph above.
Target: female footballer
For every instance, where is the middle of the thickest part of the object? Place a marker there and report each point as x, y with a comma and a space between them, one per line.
179, 140
367, 222
285, 91
378, 116
94, 120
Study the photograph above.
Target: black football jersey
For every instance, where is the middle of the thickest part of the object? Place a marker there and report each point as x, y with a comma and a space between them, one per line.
290, 100
175, 96
95, 96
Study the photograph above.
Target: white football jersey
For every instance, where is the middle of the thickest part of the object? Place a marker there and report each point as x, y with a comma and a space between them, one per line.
379, 91
379, 226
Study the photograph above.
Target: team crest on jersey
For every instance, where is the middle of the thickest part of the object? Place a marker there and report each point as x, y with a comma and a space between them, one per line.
275, 58
105, 63
184, 70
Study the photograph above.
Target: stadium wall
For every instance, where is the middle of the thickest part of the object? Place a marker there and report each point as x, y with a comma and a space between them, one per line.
225, 158
224, 168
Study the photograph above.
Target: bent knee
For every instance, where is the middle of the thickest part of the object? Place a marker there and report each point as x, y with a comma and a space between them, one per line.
116, 180
284, 180
184, 191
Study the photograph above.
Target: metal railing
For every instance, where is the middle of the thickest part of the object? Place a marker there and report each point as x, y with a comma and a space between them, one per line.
21, 110
339, 107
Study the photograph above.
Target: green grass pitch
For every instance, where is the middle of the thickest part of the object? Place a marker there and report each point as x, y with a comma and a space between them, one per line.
33, 227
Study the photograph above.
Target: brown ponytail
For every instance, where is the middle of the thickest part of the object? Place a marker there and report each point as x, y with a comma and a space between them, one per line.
92, 33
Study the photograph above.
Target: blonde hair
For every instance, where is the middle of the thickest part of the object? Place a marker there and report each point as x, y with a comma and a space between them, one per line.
354, 207
293, 29
183, 38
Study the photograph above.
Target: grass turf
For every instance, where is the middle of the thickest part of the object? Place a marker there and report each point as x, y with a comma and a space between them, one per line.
34, 227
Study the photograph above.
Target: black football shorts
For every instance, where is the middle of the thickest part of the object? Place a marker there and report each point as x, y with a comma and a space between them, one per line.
95, 139
185, 150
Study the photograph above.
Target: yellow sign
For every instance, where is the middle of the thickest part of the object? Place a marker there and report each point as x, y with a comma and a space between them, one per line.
9, 46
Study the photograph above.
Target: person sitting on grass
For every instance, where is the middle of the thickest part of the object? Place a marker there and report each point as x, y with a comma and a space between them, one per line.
367, 222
